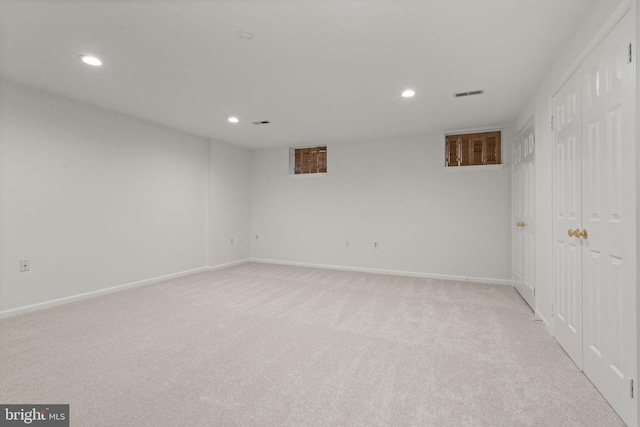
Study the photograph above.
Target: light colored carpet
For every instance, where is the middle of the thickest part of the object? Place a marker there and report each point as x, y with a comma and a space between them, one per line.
266, 345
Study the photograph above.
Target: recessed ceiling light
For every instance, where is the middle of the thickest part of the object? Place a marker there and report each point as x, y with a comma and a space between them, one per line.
408, 93
90, 60
233, 119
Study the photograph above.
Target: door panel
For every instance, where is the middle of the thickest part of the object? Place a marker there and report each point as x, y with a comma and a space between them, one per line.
567, 190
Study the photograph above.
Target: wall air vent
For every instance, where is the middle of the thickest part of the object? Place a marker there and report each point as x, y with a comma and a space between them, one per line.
470, 93
262, 122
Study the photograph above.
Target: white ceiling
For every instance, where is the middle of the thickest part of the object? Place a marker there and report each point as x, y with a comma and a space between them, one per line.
319, 70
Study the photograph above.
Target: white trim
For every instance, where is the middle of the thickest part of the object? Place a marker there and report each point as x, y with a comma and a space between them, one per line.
485, 280
308, 175
600, 35
477, 167
228, 264
86, 295
539, 316
475, 130
530, 125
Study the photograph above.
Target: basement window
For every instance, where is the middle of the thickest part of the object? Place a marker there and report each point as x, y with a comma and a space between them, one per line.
308, 160
473, 149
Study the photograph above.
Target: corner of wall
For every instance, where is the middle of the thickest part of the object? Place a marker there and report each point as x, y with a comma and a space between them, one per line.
229, 195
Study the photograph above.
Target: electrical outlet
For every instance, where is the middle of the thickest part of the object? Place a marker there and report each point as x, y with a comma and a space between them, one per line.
375, 245
24, 265
348, 244
231, 241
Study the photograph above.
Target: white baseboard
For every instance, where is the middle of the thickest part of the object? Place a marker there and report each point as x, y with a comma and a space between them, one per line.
92, 294
486, 280
228, 264
540, 317
78, 297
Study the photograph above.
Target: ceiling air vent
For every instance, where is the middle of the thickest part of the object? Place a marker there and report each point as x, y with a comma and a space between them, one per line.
262, 122
470, 93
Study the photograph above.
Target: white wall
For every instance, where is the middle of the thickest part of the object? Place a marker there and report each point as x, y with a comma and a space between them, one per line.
93, 198
540, 108
229, 204
426, 219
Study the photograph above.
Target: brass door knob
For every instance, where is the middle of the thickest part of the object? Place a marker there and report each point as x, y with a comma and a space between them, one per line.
577, 233
520, 224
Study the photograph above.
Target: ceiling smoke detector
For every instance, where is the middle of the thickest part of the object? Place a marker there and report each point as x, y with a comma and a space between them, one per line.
245, 34
469, 93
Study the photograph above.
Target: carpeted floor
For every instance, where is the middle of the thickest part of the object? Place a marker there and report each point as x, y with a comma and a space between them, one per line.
266, 345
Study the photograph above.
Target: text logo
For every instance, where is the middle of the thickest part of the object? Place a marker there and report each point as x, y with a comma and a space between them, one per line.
34, 415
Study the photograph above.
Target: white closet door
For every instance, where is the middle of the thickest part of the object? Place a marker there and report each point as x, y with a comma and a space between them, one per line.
524, 216
608, 217
594, 209
518, 214
567, 190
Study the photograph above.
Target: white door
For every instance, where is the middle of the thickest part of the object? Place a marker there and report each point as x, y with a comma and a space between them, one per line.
594, 220
608, 220
524, 215
567, 190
